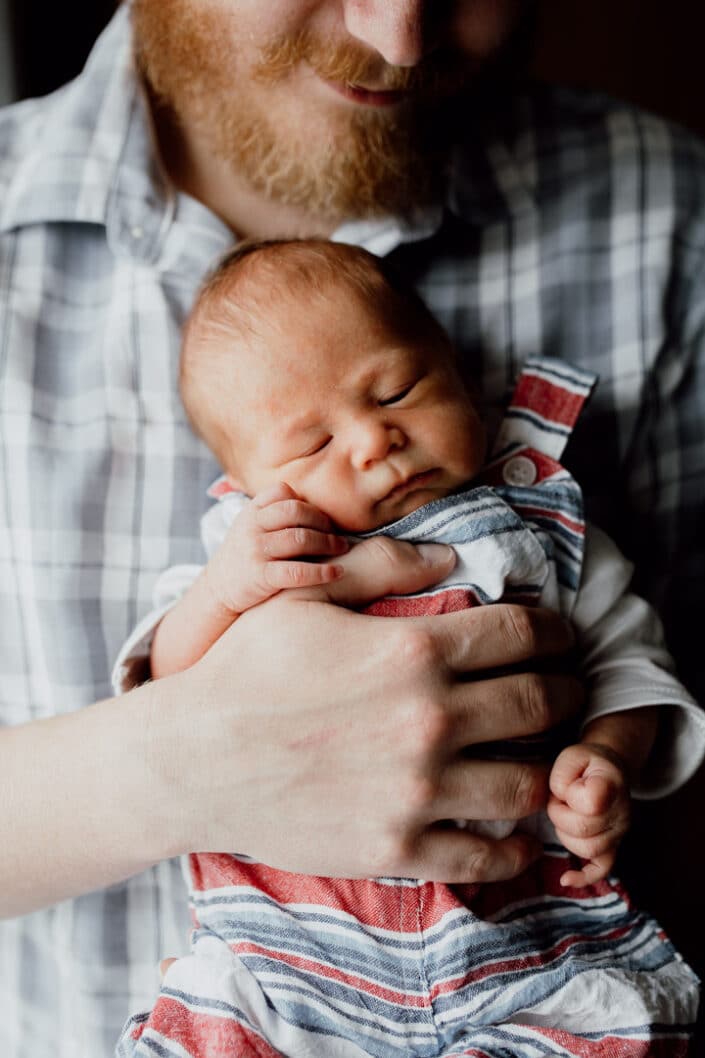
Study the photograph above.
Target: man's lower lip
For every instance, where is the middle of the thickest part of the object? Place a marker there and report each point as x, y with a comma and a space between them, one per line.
366, 97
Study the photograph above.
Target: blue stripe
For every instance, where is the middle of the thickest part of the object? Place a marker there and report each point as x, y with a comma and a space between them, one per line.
538, 421
574, 376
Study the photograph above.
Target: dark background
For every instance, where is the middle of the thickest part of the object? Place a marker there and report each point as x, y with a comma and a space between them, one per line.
650, 51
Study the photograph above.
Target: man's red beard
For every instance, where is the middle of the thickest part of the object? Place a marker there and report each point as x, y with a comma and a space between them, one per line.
357, 162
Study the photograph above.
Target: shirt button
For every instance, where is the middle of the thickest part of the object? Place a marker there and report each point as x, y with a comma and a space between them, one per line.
519, 470
137, 231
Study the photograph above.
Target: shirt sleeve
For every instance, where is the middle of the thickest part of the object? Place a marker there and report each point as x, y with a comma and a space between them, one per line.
627, 666
664, 472
132, 666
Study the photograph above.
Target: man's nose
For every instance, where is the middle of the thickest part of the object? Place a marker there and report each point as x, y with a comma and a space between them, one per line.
393, 28
373, 442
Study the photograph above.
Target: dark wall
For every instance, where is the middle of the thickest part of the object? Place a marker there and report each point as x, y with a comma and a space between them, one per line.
644, 50
52, 39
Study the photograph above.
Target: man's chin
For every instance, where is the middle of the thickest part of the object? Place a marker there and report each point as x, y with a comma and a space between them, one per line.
343, 170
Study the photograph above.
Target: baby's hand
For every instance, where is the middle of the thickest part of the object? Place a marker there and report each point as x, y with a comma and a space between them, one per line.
589, 807
264, 549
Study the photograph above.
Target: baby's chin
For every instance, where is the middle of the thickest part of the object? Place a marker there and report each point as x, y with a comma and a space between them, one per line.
387, 513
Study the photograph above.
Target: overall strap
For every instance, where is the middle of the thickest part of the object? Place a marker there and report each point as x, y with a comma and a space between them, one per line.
547, 400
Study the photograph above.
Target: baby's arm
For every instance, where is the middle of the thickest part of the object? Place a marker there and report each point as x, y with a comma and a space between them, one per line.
262, 554
590, 783
631, 690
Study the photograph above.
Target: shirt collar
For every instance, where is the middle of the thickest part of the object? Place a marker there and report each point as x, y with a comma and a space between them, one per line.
90, 156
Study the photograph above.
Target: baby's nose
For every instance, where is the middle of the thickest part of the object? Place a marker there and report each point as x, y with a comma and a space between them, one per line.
375, 442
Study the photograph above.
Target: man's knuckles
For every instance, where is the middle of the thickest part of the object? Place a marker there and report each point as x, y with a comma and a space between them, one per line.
518, 630
523, 790
535, 702
418, 650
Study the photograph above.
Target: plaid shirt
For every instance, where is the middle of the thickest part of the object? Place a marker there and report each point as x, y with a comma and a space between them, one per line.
574, 227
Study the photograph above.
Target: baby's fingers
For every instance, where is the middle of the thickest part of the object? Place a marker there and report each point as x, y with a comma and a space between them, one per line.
591, 871
593, 795
575, 824
591, 848
274, 494
282, 511
297, 540
281, 575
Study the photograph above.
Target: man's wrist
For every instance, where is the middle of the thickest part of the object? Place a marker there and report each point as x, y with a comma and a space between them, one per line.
151, 762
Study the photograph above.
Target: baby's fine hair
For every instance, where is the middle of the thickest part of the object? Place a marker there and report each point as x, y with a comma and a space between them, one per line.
256, 274
255, 278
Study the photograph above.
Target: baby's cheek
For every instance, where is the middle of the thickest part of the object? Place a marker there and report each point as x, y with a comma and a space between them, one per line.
466, 444
347, 510
310, 488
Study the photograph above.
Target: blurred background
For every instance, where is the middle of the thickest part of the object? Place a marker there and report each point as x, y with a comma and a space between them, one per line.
645, 50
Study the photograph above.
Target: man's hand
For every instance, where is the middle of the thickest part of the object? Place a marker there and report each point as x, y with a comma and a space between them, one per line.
590, 808
309, 736
321, 740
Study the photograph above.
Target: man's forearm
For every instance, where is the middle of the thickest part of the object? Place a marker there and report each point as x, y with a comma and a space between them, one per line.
80, 802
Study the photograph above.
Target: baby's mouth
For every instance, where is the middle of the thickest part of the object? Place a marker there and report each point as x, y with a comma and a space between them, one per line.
416, 481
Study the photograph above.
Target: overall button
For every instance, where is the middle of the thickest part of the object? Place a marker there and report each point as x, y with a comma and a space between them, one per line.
519, 470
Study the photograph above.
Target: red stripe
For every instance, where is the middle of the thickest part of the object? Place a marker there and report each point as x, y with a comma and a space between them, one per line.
472, 1053
207, 1035
447, 601
388, 906
332, 973
537, 882
615, 1046
548, 400
545, 467
522, 964
556, 516
366, 900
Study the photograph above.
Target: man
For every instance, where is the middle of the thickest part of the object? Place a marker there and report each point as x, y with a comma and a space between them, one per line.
520, 219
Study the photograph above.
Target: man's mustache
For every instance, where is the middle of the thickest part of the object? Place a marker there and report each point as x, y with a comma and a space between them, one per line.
439, 74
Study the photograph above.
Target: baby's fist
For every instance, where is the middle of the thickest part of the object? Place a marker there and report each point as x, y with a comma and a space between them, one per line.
589, 807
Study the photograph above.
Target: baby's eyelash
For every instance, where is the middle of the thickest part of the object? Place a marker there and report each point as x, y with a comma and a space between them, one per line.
397, 396
318, 448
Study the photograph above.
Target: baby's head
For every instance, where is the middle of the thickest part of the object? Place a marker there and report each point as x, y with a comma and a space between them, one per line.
308, 362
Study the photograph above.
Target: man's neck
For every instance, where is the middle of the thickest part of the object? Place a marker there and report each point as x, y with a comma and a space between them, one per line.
193, 168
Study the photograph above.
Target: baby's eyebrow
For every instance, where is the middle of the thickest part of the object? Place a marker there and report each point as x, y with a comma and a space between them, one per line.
298, 424
292, 436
